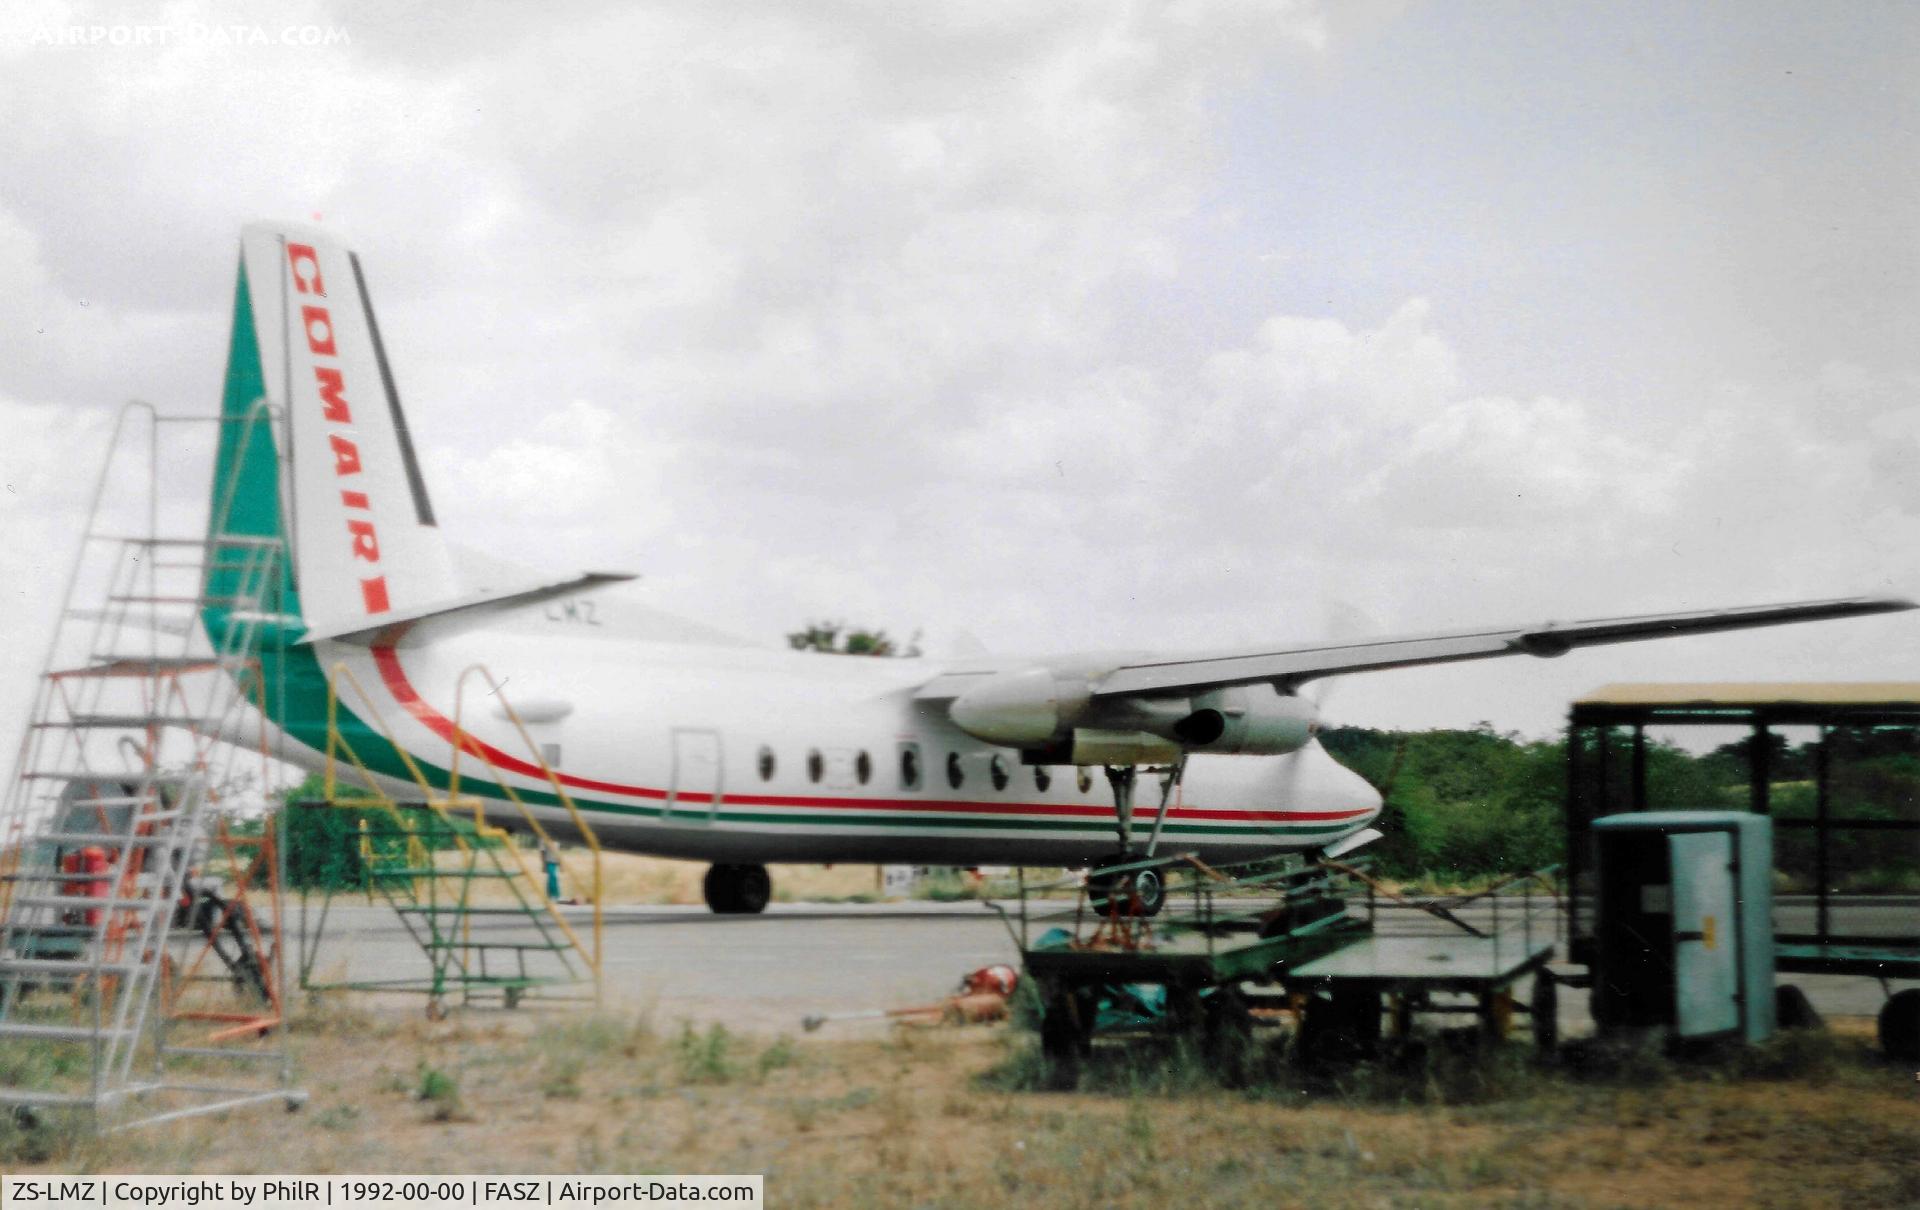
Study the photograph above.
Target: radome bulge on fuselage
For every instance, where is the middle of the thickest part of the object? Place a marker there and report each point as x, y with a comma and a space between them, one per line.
677, 741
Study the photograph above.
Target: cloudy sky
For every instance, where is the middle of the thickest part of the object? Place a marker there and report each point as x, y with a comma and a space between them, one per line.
1067, 325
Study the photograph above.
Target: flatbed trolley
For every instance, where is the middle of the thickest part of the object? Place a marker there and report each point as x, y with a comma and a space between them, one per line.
1292, 929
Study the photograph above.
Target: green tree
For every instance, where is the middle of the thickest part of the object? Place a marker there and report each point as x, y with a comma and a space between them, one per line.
1460, 804
836, 638
330, 845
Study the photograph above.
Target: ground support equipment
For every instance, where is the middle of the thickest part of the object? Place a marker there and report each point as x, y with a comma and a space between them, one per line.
140, 969
446, 863
487, 932
1833, 827
1244, 937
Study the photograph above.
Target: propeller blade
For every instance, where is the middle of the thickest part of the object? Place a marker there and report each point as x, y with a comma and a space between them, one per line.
1342, 620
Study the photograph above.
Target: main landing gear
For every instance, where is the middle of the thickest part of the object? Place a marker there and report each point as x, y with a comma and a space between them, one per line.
1135, 892
737, 890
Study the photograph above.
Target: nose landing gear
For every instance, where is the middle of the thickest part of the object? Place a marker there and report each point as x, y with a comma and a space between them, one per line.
1133, 892
1136, 892
737, 890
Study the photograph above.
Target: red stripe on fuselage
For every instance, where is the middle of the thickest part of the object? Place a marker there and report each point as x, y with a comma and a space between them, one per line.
395, 679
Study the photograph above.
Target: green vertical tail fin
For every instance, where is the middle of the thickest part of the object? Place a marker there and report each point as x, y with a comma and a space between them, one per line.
248, 563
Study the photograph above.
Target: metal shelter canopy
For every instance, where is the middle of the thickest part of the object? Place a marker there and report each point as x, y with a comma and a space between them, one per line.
1597, 786
1853, 703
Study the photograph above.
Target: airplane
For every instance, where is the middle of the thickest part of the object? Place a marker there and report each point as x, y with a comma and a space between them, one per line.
678, 741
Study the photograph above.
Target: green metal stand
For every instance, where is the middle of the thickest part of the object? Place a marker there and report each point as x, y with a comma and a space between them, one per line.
411, 857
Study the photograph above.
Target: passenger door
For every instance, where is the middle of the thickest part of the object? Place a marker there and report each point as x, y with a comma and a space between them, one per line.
699, 777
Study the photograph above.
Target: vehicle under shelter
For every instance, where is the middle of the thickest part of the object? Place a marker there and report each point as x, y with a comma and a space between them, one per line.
1835, 765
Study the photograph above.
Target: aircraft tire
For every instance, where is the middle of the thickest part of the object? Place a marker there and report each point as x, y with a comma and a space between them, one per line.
717, 889
1150, 886
736, 890
753, 890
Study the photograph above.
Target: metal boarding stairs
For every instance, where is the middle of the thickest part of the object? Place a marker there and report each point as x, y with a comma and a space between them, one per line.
458, 882
140, 968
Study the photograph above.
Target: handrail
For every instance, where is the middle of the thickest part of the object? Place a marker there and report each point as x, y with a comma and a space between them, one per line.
533, 823
334, 737
438, 805
417, 855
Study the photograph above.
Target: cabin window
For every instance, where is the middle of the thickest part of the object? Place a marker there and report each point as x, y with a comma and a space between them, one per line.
956, 776
863, 767
816, 765
767, 763
1041, 778
551, 754
997, 769
1084, 777
909, 766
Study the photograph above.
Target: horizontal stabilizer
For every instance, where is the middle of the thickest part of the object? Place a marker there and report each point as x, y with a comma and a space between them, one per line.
429, 622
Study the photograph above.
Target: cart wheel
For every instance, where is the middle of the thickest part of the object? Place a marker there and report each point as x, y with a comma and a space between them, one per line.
1792, 1009
1496, 1015
1544, 1009
1400, 1013
1323, 1041
1900, 1026
1341, 1028
1066, 1028
513, 995
1186, 1011
1226, 1034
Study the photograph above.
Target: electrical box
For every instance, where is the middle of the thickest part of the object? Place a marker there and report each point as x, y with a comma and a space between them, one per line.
1683, 925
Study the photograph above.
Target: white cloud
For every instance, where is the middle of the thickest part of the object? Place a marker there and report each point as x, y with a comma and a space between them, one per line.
835, 310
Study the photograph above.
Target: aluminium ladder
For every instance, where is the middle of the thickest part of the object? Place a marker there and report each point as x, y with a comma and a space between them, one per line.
105, 1006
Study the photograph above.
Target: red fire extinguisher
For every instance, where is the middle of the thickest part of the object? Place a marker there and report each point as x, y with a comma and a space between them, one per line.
90, 860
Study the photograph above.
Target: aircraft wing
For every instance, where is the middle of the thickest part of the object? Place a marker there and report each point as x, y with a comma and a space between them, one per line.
1287, 667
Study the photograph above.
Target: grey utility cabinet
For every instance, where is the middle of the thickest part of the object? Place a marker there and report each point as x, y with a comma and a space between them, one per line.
1683, 928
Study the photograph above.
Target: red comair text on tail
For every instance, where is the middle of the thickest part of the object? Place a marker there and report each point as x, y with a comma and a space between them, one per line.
365, 541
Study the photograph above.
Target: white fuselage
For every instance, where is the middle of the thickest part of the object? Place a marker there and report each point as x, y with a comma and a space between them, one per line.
748, 754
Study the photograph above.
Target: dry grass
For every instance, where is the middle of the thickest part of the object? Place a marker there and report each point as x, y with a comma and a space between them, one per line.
937, 1118
631, 879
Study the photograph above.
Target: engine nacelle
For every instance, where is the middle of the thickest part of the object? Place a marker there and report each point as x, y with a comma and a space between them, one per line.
1041, 711
1248, 720
1030, 708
